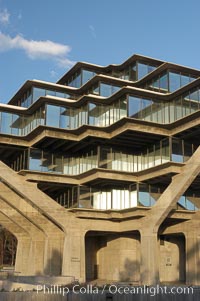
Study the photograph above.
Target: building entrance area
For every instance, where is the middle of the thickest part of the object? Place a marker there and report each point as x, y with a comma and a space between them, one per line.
172, 258
112, 256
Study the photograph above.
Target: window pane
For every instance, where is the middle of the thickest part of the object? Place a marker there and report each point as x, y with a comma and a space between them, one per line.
60, 94
123, 108
177, 150
35, 160
165, 150
146, 109
164, 83
144, 196
53, 116
184, 80
134, 107
86, 76
50, 93
133, 73
174, 81
142, 70
105, 90
6, 122
64, 117
93, 113
37, 93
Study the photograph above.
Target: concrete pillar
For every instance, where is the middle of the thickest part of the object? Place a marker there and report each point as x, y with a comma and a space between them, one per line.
192, 258
30, 256
23, 256
74, 255
53, 255
149, 258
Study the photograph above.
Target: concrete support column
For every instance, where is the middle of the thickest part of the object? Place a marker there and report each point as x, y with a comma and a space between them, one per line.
53, 255
30, 256
192, 258
23, 256
149, 258
74, 255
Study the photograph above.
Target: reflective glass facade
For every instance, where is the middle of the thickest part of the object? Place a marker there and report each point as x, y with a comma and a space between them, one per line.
119, 198
168, 149
135, 71
116, 103
99, 114
80, 77
33, 94
103, 89
169, 81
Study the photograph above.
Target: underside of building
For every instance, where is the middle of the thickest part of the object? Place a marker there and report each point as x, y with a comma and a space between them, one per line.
99, 173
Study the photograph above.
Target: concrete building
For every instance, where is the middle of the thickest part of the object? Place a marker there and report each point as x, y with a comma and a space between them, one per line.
100, 173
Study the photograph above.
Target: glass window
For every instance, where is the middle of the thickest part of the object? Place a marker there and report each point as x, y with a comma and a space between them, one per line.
58, 164
155, 84
60, 94
64, 117
16, 124
35, 160
50, 93
47, 162
74, 116
142, 70
126, 74
85, 197
186, 105
123, 108
151, 68
115, 89
134, 107
177, 150
174, 81
133, 73
105, 159
95, 89
172, 106
6, 122
37, 93
77, 81
114, 112
93, 113
194, 96
164, 83
105, 90
146, 109
187, 151
53, 116
165, 150
133, 195
144, 196
87, 75
178, 108
185, 79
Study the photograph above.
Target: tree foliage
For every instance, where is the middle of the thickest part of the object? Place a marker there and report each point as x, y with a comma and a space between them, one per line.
8, 246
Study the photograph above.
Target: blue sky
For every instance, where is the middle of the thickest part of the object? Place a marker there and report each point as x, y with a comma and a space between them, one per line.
42, 39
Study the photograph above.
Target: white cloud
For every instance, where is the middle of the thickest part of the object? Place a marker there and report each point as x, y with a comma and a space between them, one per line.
4, 17
37, 49
64, 62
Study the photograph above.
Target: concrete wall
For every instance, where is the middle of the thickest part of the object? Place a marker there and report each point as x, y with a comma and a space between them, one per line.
172, 259
115, 257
